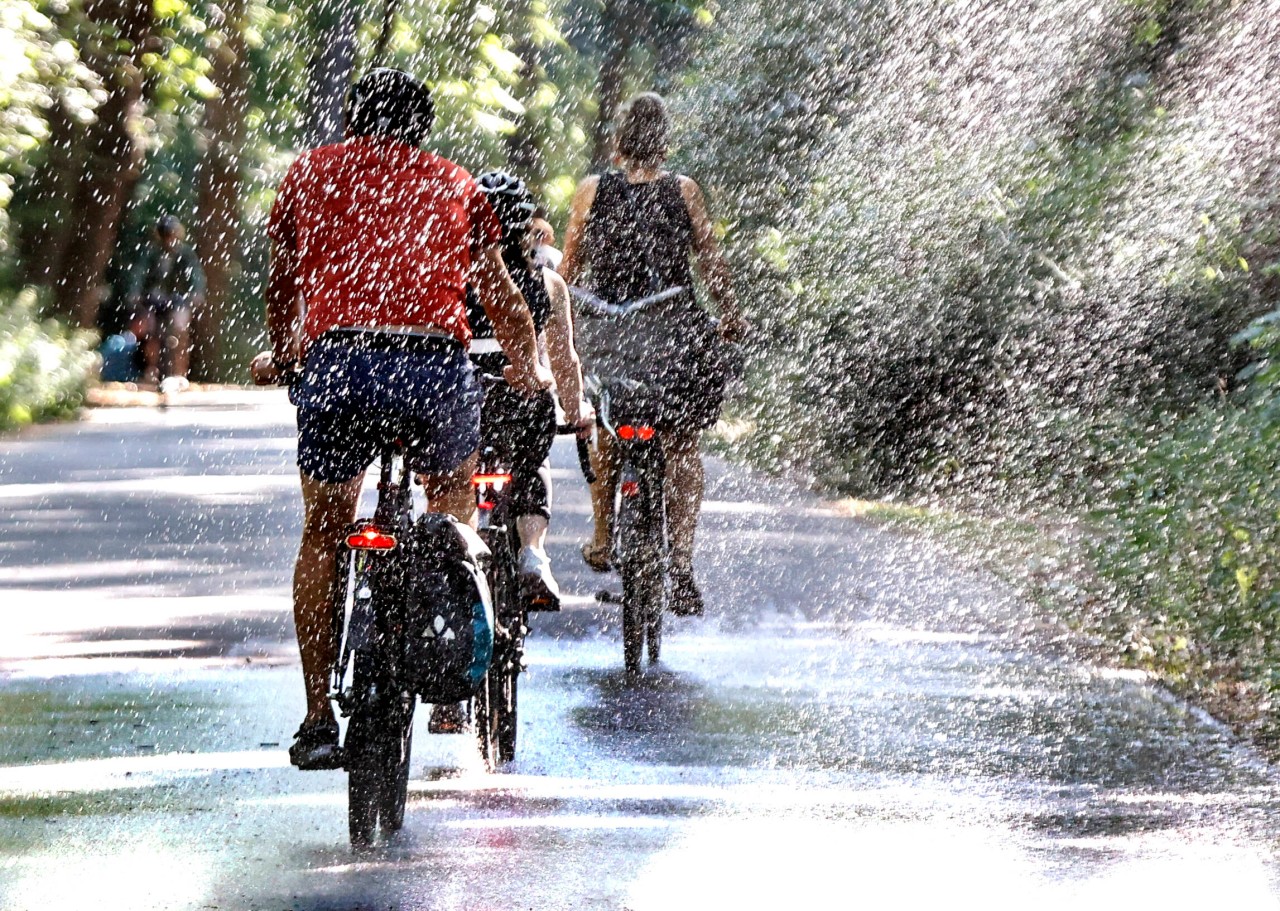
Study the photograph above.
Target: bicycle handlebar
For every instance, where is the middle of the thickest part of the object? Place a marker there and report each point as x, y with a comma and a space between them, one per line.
584, 455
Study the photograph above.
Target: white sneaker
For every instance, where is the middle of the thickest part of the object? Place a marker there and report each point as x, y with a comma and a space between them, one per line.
537, 586
172, 385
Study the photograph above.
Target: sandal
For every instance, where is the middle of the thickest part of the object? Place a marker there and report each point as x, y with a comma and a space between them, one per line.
596, 557
315, 747
685, 600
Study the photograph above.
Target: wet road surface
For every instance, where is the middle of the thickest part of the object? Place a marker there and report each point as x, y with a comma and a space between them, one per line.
856, 720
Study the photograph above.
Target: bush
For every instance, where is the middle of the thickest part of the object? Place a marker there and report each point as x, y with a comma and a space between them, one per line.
1192, 542
979, 242
44, 369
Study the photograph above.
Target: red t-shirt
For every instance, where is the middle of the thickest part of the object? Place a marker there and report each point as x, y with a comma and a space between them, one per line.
384, 235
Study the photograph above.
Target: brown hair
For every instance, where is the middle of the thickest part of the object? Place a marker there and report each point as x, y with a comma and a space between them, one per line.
644, 130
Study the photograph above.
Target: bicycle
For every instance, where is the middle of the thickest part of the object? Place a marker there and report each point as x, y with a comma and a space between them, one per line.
390, 568
638, 537
496, 720
639, 533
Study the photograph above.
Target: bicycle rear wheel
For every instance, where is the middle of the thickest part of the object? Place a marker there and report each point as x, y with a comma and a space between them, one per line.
394, 788
484, 721
642, 585
378, 744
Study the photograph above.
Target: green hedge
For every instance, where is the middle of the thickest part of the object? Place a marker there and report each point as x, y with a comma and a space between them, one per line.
44, 369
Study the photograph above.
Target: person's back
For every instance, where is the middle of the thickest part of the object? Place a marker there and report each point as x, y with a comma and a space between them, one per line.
385, 237
640, 235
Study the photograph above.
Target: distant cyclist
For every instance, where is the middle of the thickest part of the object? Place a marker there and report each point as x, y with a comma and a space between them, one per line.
374, 243
520, 426
167, 285
628, 228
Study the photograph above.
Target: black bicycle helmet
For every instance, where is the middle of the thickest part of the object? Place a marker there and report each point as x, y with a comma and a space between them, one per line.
511, 200
168, 225
389, 102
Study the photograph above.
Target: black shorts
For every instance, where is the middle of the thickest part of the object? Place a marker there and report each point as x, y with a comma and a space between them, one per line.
519, 431
362, 391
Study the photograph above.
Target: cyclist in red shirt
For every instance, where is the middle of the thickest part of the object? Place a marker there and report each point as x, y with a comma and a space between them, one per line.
374, 243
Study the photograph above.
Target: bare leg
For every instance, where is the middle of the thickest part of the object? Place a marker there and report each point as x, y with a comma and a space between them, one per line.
150, 358
180, 350
329, 509
604, 463
533, 531
452, 493
683, 485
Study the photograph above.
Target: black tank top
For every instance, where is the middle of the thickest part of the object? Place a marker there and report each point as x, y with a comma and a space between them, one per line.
638, 237
532, 285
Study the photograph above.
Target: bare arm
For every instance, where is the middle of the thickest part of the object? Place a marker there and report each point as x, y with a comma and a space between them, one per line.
565, 366
571, 265
711, 262
512, 324
285, 311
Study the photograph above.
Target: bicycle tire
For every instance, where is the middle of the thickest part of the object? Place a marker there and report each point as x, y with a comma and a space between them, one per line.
364, 772
653, 622
482, 718
507, 666
394, 781
641, 606
378, 746
507, 714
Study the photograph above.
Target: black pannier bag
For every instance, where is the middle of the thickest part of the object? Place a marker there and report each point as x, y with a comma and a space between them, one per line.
449, 611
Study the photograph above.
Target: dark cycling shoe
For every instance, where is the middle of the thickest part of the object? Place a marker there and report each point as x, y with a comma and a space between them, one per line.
596, 557
685, 599
447, 718
538, 587
315, 747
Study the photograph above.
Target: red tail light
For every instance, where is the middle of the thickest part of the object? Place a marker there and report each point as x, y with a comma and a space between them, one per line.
630, 432
486, 480
630, 488
371, 539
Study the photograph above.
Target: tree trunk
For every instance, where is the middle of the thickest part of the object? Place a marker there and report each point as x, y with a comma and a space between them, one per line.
218, 204
622, 21
113, 157
389, 9
524, 146
330, 70
43, 238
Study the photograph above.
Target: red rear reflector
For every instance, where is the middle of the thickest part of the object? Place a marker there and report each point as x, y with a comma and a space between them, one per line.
645, 433
630, 488
485, 504
497, 480
371, 539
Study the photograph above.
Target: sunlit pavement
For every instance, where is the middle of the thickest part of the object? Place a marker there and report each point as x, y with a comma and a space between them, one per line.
857, 722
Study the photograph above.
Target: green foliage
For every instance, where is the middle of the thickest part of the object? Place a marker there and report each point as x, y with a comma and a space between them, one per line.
39, 65
1192, 543
43, 369
996, 258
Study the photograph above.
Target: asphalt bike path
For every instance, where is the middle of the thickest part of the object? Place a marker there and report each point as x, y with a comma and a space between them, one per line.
858, 718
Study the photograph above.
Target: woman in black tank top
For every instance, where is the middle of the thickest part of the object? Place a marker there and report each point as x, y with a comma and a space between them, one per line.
643, 207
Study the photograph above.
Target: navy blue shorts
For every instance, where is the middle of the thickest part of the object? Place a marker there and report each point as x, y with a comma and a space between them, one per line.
356, 396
